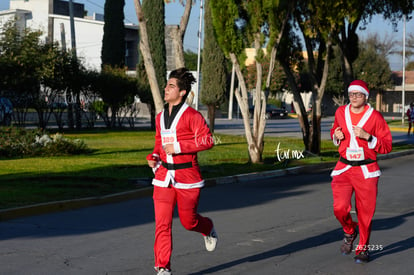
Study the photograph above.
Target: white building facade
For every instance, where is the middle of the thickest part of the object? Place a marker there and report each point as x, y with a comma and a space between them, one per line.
52, 18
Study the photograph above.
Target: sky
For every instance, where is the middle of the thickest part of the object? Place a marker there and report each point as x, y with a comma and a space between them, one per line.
174, 11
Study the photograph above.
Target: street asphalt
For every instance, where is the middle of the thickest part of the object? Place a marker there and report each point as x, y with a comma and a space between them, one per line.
277, 222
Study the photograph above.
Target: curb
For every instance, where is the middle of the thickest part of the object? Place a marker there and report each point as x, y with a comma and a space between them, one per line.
146, 189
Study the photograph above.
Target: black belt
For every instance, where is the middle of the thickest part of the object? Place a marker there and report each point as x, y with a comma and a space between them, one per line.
356, 163
176, 166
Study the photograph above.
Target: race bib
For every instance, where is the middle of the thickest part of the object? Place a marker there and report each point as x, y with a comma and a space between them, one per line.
168, 136
355, 154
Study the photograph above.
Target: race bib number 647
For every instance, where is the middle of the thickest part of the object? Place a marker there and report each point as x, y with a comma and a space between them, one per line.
355, 154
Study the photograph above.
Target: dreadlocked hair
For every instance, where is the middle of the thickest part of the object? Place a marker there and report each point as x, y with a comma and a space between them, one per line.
184, 80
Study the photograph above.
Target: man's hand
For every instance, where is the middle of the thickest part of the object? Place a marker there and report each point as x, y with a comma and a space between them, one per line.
152, 163
169, 149
339, 134
359, 132
152, 160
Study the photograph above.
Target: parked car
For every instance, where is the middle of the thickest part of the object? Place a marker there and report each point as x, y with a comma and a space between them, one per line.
272, 112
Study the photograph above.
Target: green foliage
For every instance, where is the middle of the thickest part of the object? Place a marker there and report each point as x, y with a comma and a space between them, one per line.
23, 55
154, 11
410, 66
274, 101
113, 41
225, 14
20, 142
213, 69
373, 68
278, 81
98, 106
191, 59
335, 83
116, 89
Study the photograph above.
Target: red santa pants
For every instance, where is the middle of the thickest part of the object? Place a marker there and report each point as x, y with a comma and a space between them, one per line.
165, 200
366, 190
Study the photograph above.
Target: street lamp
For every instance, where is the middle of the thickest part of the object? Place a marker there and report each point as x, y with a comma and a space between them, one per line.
199, 55
403, 74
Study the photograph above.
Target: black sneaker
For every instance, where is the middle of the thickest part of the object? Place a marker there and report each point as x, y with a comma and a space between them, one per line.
349, 239
362, 257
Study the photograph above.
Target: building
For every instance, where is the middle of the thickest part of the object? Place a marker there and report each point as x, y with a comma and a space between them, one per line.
390, 101
52, 18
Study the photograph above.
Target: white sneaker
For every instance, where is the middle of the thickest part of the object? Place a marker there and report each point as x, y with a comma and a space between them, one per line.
211, 240
163, 271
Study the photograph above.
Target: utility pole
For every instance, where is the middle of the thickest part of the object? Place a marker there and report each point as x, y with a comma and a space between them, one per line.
199, 55
74, 103
403, 74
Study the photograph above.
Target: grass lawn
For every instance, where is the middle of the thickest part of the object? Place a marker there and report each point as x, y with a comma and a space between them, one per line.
120, 155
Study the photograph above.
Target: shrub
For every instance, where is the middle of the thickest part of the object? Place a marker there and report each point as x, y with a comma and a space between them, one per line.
20, 142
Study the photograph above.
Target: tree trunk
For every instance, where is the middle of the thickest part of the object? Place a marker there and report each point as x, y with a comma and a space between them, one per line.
298, 105
78, 111
151, 109
177, 35
348, 74
211, 116
315, 146
146, 53
71, 123
177, 45
255, 155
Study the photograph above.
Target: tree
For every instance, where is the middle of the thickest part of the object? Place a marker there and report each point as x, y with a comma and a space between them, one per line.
243, 24
178, 32
410, 45
213, 69
191, 59
354, 15
372, 66
148, 60
110, 80
317, 23
385, 46
27, 57
410, 66
409, 48
323, 25
278, 80
39, 75
113, 41
178, 38
144, 87
154, 11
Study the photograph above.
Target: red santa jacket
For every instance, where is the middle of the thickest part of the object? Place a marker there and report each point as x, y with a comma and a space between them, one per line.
374, 124
190, 134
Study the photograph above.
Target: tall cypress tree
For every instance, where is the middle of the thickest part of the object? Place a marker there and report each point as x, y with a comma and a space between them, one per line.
154, 11
113, 42
213, 69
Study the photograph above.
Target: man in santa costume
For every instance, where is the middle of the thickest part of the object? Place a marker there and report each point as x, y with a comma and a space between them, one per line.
410, 115
360, 132
181, 132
